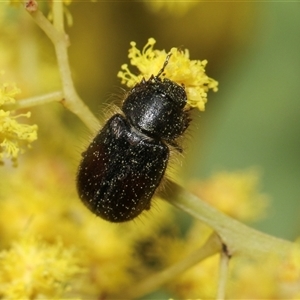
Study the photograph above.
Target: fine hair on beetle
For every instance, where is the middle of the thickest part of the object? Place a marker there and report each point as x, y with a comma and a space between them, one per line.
116, 100
124, 166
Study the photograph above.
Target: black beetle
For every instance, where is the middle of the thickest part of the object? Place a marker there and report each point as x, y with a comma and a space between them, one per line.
126, 161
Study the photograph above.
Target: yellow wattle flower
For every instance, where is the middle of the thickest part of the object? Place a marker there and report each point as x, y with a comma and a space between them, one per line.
180, 69
14, 136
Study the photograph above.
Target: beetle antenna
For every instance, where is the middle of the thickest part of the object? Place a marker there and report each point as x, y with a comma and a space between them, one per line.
165, 64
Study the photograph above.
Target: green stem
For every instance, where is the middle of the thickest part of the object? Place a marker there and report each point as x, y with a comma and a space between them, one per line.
238, 237
56, 33
223, 272
38, 100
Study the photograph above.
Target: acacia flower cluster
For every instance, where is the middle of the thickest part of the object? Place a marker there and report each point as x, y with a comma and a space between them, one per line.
180, 69
14, 136
33, 269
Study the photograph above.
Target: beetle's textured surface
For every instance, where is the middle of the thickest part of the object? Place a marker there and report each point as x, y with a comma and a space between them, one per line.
125, 163
156, 108
120, 171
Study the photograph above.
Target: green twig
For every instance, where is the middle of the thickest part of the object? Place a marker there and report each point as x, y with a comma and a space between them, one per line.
37, 100
56, 33
239, 238
223, 272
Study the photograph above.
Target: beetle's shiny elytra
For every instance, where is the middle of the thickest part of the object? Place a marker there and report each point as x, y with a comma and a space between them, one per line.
125, 163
